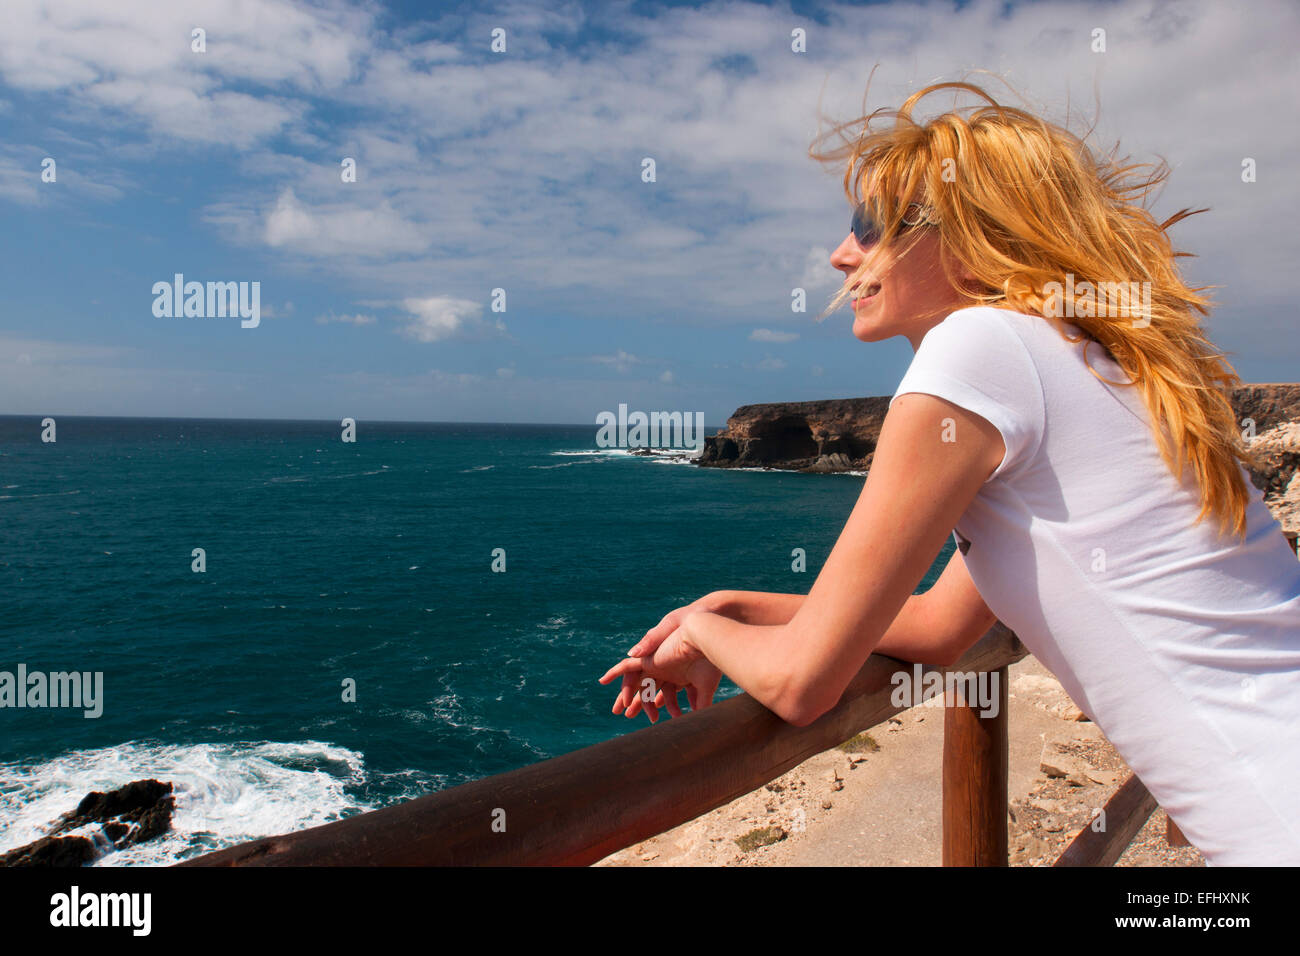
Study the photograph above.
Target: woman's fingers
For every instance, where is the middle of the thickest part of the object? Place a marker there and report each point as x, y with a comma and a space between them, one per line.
692, 695
655, 636
624, 666
669, 695
649, 697
625, 693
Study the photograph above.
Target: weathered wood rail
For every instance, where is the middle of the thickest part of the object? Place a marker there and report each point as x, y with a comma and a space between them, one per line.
580, 807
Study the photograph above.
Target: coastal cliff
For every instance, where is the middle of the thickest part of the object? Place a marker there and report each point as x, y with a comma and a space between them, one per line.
838, 435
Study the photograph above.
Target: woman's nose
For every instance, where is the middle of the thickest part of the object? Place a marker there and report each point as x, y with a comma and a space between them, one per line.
848, 256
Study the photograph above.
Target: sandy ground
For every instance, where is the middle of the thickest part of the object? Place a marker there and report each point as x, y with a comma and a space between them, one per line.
878, 803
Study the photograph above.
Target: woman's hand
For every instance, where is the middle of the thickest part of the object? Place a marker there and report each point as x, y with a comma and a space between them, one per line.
673, 663
713, 602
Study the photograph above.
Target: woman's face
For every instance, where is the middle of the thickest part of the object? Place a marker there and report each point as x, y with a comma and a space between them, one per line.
906, 294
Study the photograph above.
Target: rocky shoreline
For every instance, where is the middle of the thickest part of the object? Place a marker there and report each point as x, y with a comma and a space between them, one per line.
101, 823
839, 435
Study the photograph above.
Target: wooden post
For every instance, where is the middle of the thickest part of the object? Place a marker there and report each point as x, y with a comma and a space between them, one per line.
1173, 835
975, 760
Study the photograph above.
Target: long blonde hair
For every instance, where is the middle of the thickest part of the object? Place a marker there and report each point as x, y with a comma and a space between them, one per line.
1025, 207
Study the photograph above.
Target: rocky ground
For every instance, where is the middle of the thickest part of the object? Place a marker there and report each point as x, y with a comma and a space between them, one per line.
876, 801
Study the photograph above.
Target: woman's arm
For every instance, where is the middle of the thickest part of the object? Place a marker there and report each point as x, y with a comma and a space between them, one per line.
934, 628
930, 461
759, 607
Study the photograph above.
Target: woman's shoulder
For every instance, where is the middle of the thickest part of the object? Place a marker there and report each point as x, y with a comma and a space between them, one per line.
983, 332
983, 316
990, 328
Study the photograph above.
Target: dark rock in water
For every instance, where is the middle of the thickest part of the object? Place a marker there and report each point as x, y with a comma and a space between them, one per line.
139, 811
146, 803
51, 851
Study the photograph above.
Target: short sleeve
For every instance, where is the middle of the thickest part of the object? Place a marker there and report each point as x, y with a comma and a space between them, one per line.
975, 359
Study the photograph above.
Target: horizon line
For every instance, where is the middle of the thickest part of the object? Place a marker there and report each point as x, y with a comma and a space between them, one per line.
329, 421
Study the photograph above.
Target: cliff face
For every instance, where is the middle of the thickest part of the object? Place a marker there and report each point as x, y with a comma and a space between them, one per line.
838, 435
832, 435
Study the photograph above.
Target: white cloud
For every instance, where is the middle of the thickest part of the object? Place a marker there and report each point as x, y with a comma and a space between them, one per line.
135, 56
340, 229
620, 360
355, 319
818, 274
44, 352
529, 165
441, 317
769, 335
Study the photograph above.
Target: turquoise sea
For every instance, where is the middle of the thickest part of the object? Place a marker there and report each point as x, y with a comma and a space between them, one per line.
326, 561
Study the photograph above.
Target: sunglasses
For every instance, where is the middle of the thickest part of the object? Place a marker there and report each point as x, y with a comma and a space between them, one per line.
868, 230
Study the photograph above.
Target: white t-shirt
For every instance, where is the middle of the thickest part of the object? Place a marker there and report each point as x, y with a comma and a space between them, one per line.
1183, 648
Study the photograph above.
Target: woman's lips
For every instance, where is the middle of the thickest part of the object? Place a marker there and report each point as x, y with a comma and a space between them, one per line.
870, 293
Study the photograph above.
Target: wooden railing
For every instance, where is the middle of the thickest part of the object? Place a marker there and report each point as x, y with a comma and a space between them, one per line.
580, 807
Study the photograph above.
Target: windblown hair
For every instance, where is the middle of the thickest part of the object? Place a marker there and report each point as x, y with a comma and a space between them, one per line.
1021, 205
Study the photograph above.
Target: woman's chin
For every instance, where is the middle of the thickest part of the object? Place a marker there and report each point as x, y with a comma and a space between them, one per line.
864, 330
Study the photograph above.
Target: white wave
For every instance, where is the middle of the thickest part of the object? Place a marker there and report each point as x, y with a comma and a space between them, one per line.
595, 451
791, 471
224, 793
569, 464
49, 494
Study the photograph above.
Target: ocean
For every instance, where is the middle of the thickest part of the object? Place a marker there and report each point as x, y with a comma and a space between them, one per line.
327, 561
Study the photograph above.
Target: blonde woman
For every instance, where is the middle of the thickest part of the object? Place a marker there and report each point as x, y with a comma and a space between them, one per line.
1136, 562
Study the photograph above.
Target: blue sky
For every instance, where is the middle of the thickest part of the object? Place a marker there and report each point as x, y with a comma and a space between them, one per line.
522, 171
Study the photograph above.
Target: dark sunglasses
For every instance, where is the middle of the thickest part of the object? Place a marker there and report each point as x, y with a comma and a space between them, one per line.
868, 230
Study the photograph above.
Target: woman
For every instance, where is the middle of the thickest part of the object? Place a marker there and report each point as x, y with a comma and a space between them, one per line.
1138, 564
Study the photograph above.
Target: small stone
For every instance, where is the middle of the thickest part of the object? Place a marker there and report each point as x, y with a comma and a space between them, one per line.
826, 804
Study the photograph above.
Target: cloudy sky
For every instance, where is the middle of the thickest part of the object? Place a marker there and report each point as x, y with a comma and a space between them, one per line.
521, 170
